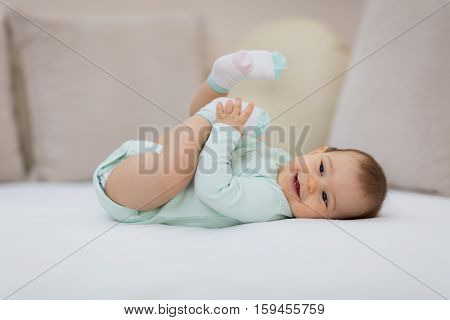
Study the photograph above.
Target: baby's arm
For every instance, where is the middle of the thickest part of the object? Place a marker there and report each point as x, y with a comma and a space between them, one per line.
246, 199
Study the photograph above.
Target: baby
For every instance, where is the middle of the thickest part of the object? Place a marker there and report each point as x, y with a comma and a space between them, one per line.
214, 171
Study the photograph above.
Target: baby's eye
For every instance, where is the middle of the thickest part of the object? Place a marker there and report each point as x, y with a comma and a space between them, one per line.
321, 168
325, 198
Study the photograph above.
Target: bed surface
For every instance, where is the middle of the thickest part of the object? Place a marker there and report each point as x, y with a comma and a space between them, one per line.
45, 223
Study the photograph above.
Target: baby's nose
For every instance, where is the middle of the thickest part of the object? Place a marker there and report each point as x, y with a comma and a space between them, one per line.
312, 184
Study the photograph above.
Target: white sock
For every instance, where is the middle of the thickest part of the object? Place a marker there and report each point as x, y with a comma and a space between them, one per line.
245, 65
256, 125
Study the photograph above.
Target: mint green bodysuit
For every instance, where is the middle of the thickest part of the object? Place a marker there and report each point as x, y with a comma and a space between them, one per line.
235, 183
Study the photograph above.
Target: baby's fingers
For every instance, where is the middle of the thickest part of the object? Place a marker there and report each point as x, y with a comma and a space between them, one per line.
229, 106
247, 112
237, 107
219, 109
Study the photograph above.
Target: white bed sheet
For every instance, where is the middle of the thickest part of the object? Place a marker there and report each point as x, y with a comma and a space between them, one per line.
46, 223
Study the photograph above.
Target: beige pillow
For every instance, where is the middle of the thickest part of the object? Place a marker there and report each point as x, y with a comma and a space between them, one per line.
11, 164
395, 104
314, 55
80, 113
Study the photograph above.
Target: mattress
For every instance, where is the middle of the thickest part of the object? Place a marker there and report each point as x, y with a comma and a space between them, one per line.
56, 242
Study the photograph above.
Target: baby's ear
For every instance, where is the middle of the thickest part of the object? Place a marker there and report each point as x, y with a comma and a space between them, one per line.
320, 150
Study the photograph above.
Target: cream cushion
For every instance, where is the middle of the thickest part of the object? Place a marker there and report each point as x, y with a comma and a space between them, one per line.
11, 164
314, 55
395, 105
80, 113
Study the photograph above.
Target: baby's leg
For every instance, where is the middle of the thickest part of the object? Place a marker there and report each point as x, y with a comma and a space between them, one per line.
171, 170
148, 180
203, 96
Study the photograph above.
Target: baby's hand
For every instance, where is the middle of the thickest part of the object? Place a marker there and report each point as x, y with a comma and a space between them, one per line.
231, 114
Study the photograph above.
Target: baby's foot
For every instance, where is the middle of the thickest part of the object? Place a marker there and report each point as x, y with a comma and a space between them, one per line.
245, 65
256, 125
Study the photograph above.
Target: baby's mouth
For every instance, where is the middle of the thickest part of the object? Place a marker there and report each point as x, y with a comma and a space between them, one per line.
297, 185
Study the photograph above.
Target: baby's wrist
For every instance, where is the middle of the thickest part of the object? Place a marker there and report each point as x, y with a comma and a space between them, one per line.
231, 124
224, 128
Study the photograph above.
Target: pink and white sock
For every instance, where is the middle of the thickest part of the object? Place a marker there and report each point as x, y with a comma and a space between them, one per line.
228, 70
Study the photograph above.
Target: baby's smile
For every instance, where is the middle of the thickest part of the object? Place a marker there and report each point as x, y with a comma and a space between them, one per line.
296, 185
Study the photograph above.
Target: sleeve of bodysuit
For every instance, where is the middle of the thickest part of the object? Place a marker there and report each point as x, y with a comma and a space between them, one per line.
246, 199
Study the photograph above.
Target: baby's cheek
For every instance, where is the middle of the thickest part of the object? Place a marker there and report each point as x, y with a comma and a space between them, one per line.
307, 209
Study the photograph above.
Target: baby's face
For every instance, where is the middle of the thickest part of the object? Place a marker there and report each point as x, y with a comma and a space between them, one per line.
323, 185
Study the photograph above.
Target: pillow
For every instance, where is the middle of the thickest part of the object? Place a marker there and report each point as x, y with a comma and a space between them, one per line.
314, 55
80, 113
11, 164
395, 104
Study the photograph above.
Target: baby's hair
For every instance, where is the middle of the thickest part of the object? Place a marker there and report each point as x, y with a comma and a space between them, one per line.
372, 181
